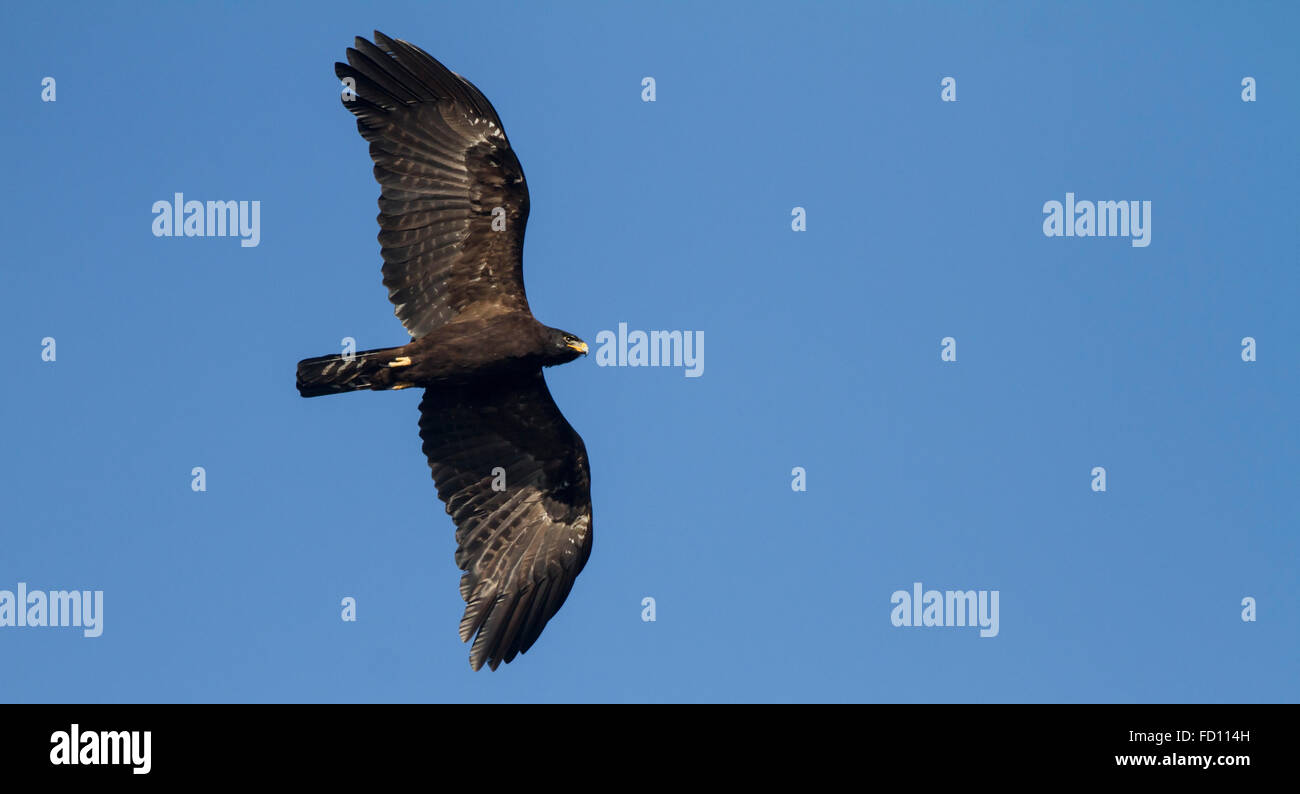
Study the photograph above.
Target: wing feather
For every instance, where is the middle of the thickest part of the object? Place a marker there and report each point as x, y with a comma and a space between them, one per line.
520, 547
444, 166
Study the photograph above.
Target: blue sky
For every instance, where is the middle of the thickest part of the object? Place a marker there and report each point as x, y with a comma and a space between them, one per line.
924, 221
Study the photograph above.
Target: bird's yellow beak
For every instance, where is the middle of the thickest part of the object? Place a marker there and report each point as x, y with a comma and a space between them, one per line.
581, 347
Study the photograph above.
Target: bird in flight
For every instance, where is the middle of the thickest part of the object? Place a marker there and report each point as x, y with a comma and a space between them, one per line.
452, 208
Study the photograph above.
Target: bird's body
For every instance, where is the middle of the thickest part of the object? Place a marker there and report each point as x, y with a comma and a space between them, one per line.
457, 353
511, 470
475, 349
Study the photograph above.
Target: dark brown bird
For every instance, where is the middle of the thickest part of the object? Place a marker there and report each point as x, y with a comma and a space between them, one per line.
453, 206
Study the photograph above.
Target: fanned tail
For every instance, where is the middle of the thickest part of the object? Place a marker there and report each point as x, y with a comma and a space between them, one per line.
338, 374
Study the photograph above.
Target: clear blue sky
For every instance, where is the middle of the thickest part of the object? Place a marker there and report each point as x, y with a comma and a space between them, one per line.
823, 351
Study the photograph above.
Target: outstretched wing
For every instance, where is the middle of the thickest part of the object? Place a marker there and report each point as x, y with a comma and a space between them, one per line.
514, 475
446, 173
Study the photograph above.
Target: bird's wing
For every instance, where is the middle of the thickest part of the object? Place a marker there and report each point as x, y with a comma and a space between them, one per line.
453, 201
514, 475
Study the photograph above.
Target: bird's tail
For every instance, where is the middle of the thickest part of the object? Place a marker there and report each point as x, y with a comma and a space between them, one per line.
337, 374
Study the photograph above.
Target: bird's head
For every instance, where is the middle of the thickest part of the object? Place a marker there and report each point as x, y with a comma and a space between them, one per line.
564, 347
